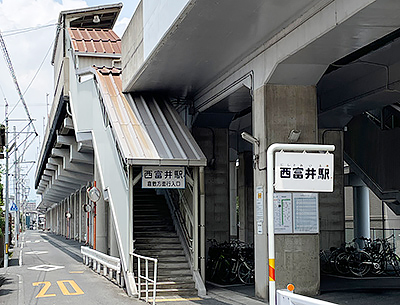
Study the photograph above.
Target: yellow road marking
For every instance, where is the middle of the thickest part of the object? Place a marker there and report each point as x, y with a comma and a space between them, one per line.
178, 299
42, 292
64, 289
76, 271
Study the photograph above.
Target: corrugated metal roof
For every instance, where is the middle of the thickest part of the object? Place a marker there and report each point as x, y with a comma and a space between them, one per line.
147, 128
98, 41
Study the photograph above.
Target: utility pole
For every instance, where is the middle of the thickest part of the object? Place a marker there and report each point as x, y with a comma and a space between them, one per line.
16, 190
7, 229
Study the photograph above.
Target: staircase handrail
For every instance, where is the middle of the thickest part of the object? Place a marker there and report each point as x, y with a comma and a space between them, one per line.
146, 276
181, 220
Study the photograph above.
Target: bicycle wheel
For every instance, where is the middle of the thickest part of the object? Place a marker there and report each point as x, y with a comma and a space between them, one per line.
359, 263
233, 274
341, 264
325, 264
246, 273
392, 265
224, 271
378, 264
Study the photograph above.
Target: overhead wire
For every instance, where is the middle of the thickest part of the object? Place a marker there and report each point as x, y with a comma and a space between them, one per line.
34, 77
26, 30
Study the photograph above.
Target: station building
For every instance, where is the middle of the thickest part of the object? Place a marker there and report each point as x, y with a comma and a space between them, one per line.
174, 95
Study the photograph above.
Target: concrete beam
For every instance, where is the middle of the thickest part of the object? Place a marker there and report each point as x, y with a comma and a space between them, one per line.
73, 167
65, 140
80, 157
66, 126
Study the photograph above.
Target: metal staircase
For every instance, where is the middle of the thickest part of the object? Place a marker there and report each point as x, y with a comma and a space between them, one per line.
371, 149
155, 237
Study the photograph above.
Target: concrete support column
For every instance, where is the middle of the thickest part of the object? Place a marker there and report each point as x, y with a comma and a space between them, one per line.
74, 218
80, 215
112, 239
361, 213
260, 181
331, 205
101, 218
278, 109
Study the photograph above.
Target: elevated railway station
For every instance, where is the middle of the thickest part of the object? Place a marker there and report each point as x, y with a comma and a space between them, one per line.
150, 125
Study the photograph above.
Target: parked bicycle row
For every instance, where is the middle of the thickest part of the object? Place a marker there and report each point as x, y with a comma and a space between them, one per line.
361, 257
230, 262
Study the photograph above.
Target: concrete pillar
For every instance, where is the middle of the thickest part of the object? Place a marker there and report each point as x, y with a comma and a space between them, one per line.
101, 218
112, 239
332, 205
80, 215
259, 119
361, 213
278, 109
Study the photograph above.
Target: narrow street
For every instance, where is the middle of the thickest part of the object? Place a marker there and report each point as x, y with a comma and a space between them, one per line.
52, 272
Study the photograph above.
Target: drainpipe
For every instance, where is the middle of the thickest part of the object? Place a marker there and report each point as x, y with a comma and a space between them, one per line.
202, 225
196, 240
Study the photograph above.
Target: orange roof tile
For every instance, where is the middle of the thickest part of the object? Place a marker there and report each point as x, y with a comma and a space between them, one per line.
95, 41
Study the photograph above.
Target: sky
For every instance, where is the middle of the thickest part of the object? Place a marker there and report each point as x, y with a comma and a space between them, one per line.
28, 28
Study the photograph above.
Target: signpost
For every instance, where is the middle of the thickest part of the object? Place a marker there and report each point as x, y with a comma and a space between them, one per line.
295, 172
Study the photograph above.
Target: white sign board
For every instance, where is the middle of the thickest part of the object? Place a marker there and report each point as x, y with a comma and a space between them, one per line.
299, 172
283, 218
161, 177
305, 213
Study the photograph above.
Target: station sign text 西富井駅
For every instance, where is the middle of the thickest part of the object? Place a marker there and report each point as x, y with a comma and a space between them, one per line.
172, 177
309, 172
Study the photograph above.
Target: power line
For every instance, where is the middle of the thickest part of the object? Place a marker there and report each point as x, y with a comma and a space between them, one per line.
34, 77
26, 30
14, 77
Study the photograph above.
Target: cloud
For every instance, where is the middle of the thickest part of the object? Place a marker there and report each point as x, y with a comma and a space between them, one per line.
27, 51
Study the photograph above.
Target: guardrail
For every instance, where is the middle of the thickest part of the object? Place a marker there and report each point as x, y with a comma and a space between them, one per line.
285, 297
146, 276
111, 266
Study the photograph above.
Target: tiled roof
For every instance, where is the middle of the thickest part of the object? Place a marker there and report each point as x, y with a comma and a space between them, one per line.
95, 41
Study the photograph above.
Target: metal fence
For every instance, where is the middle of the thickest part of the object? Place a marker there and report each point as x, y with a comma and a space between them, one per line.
111, 266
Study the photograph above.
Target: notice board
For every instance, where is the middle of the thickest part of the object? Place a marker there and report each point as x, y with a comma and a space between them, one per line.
296, 213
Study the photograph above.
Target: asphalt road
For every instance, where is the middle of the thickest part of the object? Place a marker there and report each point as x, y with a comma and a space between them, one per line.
52, 272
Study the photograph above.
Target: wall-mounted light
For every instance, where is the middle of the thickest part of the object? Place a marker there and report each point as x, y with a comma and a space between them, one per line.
294, 136
249, 138
96, 19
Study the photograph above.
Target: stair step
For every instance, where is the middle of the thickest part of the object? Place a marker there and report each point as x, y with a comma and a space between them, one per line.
169, 285
171, 273
158, 246
155, 234
173, 292
153, 221
143, 228
160, 253
157, 240
177, 279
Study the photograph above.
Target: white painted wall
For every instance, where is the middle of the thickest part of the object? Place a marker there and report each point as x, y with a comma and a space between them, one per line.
158, 16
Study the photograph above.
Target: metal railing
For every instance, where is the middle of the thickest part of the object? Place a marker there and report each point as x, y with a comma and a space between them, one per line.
97, 260
181, 209
146, 276
285, 297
